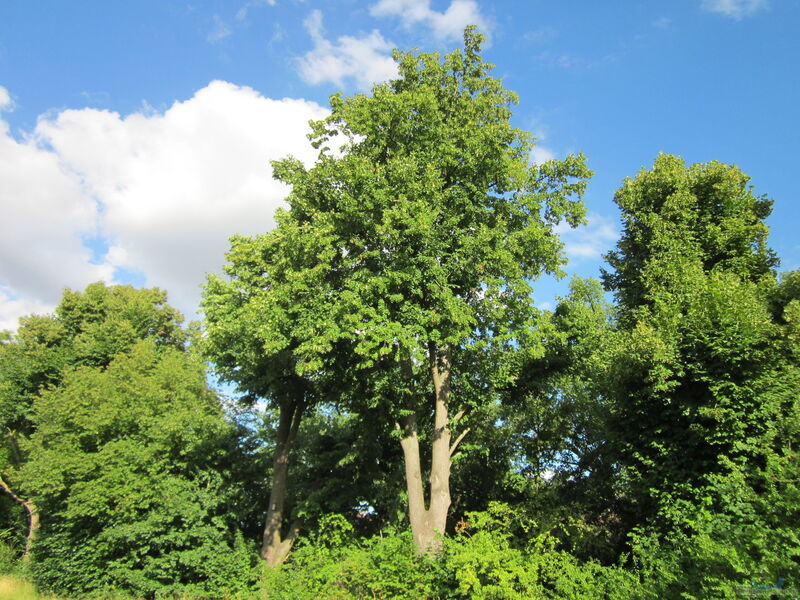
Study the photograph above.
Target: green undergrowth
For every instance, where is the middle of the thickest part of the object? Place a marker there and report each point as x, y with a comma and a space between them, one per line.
497, 554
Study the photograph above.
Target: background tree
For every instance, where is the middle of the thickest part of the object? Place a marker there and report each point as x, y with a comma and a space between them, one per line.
269, 330
439, 223
694, 373
558, 414
116, 441
88, 328
132, 467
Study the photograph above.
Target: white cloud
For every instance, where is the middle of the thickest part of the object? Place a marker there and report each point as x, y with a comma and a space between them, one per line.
366, 60
12, 308
166, 190
541, 154
735, 9
46, 214
447, 25
6, 104
589, 242
219, 32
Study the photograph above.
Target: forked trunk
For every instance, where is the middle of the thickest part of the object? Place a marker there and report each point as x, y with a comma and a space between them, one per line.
428, 522
275, 548
33, 519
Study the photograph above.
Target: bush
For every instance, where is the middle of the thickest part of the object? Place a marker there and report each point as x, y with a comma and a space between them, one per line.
483, 562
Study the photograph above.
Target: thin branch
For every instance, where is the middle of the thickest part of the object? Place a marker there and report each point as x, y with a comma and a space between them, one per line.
7, 489
297, 415
458, 440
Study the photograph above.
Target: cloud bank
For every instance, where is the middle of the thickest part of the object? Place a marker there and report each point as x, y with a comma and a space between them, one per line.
89, 192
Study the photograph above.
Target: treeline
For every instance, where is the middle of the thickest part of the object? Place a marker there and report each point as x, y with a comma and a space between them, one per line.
408, 424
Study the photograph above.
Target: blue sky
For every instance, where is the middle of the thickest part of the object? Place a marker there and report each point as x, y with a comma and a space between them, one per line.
135, 136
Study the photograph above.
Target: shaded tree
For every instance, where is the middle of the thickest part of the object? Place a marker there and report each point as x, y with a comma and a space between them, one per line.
270, 331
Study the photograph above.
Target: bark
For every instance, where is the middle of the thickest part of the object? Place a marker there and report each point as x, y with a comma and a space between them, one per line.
33, 518
275, 547
428, 523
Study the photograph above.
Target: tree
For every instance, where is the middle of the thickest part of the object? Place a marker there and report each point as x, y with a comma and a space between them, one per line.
677, 219
116, 441
694, 372
557, 411
88, 328
269, 330
131, 465
438, 223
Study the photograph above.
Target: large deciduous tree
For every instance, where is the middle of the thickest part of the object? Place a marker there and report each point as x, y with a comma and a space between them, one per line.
439, 223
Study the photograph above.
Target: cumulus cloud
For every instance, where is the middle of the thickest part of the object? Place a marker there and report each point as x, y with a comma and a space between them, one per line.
164, 190
12, 308
366, 60
735, 9
46, 215
541, 154
591, 241
447, 25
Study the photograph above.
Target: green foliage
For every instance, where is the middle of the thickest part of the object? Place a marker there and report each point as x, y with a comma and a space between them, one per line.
486, 560
116, 438
431, 199
693, 375
645, 450
378, 567
269, 324
8, 559
678, 220
557, 413
128, 467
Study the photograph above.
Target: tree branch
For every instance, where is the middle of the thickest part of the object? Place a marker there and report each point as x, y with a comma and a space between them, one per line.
461, 436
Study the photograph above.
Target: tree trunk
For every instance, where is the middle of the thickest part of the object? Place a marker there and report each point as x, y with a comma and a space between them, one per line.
428, 523
275, 548
33, 519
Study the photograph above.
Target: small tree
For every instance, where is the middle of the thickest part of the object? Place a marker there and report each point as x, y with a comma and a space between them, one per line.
438, 223
269, 330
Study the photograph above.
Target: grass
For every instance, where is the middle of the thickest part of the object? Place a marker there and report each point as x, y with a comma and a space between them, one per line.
17, 588
14, 588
